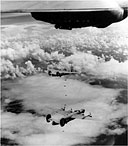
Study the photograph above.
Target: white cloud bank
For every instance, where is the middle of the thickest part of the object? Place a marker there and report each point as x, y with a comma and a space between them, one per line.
86, 50
27, 50
44, 94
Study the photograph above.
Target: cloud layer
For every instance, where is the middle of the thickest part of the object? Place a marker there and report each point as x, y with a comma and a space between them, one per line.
30, 49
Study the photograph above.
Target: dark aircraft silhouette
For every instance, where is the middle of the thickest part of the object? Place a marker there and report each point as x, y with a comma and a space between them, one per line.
59, 73
81, 18
72, 14
77, 14
62, 116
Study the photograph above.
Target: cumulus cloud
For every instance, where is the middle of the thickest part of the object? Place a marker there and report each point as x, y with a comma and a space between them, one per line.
89, 50
29, 49
44, 95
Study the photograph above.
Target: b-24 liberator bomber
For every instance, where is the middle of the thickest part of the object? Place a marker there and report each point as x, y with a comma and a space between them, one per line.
63, 116
60, 73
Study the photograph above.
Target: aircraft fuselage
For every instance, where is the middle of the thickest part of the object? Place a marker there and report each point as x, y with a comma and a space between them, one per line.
78, 19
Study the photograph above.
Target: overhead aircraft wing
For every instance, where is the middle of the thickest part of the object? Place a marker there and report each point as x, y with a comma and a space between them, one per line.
66, 14
58, 5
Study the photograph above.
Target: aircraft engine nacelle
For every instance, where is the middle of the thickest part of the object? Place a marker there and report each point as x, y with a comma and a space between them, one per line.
78, 19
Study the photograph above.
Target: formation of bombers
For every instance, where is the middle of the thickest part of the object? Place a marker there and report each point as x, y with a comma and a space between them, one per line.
63, 116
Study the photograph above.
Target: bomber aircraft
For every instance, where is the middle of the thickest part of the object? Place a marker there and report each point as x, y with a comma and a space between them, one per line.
63, 116
60, 73
65, 14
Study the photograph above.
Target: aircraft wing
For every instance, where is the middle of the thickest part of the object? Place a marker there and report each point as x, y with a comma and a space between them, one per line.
65, 14
58, 5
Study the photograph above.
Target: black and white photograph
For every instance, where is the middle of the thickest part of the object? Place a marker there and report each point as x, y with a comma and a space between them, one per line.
64, 72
